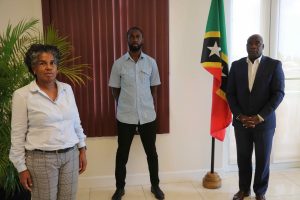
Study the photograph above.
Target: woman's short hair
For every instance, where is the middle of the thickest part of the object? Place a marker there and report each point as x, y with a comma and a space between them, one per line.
35, 50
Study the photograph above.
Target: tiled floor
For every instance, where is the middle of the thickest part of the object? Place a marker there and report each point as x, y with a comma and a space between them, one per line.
284, 185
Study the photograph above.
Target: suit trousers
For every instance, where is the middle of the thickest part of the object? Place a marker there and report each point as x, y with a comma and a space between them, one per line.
261, 140
148, 137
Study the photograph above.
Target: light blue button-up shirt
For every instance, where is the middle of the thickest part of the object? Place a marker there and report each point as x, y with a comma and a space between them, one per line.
135, 104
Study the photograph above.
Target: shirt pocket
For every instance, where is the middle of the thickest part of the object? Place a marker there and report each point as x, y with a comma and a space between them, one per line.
145, 76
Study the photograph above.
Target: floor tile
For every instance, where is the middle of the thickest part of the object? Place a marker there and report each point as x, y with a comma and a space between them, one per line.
293, 175
284, 185
175, 191
285, 197
105, 193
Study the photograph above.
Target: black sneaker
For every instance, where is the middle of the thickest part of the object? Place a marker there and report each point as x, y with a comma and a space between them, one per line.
157, 192
118, 194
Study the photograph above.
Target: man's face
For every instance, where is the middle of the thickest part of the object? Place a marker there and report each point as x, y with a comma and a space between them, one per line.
135, 40
255, 47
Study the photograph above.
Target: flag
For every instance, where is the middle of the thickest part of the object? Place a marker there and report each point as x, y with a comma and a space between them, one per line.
214, 59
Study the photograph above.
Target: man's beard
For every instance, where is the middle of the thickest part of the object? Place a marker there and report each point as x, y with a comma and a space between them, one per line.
135, 48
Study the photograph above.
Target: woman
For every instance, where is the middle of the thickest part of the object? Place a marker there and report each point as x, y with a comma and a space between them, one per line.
48, 143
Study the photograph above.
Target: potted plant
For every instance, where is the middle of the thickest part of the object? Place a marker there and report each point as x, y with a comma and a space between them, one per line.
14, 42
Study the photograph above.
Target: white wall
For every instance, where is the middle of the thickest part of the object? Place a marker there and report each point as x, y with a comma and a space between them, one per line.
184, 153
15, 10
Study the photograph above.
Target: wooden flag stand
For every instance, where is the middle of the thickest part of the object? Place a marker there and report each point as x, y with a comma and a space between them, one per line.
212, 180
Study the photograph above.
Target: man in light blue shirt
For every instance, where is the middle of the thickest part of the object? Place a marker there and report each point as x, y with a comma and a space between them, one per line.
134, 79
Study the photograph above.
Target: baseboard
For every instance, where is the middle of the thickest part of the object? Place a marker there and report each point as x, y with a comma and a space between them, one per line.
142, 179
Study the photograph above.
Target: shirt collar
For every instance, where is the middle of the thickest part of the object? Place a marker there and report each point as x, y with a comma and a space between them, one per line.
35, 88
255, 61
127, 56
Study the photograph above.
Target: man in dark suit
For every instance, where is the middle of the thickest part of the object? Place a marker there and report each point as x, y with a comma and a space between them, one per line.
255, 88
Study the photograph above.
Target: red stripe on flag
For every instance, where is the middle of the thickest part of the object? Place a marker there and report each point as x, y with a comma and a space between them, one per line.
216, 72
220, 114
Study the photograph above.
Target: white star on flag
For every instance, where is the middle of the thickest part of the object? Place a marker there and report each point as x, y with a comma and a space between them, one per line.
214, 50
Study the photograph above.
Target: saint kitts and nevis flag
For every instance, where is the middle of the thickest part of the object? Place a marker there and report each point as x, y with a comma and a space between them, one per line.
214, 59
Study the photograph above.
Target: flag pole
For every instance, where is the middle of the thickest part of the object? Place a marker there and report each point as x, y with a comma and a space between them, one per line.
212, 163
212, 180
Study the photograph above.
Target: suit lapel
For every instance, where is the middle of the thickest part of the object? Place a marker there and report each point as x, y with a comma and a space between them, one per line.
244, 73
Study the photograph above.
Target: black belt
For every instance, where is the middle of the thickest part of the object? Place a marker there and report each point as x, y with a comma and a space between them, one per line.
55, 151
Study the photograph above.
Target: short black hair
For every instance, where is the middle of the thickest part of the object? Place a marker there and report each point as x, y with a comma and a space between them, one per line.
134, 28
35, 50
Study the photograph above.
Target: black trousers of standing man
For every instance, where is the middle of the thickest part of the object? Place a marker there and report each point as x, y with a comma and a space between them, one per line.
261, 141
148, 137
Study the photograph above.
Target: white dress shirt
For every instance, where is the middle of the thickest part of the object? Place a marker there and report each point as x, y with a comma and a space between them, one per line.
135, 104
252, 69
40, 123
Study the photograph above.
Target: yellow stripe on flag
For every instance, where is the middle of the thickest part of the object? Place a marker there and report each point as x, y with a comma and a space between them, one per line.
221, 94
224, 57
212, 34
212, 65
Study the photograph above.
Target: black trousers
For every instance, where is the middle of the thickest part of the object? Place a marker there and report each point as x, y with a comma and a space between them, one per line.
125, 137
261, 142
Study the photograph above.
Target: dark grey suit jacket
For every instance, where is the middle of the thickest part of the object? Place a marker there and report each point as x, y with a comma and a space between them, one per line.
266, 94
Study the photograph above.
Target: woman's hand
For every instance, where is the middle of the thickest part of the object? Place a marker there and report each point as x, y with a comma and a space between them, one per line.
82, 160
25, 179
